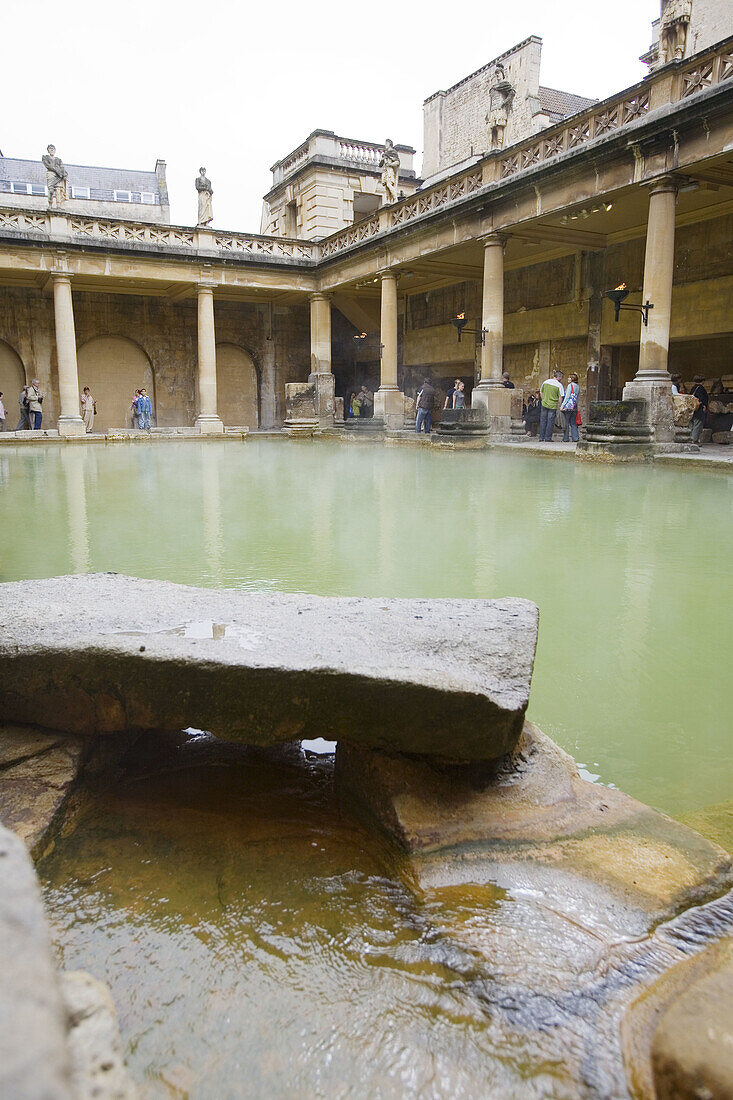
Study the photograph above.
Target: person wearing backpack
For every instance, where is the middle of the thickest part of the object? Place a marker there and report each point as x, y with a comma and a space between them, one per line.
569, 407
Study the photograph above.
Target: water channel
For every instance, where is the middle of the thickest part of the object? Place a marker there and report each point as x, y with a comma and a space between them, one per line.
258, 941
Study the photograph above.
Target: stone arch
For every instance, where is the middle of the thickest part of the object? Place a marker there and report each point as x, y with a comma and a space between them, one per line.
12, 380
237, 386
114, 367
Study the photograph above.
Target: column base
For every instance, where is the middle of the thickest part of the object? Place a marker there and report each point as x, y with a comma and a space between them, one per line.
209, 425
496, 404
71, 426
656, 393
389, 406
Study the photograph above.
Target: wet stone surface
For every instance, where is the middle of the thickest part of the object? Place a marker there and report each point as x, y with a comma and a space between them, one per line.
445, 678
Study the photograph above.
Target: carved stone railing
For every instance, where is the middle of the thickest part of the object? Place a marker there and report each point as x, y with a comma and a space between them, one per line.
255, 244
424, 202
22, 221
354, 234
359, 152
580, 129
102, 229
56, 225
600, 120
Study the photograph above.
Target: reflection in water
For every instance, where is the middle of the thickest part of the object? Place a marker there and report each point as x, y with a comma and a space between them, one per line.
630, 567
72, 462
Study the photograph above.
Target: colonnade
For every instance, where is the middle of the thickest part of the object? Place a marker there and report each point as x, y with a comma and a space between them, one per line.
70, 422
652, 382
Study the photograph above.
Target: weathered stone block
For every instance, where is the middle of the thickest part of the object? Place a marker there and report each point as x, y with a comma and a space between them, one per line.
447, 678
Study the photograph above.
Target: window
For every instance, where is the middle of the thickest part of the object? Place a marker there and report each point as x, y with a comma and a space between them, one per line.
123, 196
148, 197
21, 188
80, 193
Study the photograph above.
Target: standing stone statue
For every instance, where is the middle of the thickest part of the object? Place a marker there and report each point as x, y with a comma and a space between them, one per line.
501, 97
676, 16
203, 186
390, 165
56, 177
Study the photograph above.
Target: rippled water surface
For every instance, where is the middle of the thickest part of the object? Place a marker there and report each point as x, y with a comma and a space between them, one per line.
257, 941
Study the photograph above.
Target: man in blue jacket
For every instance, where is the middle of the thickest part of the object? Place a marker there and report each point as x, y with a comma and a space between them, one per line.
144, 410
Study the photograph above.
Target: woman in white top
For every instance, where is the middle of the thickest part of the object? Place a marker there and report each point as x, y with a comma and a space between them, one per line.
88, 408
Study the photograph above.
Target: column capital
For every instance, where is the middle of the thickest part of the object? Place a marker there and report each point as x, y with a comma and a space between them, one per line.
388, 273
206, 284
663, 185
495, 239
319, 296
59, 276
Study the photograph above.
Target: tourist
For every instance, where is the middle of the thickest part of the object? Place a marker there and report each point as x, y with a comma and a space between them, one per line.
144, 410
424, 403
24, 421
2, 413
350, 408
569, 407
459, 396
507, 382
133, 408
356, 405
531, 414
34, 396
551, 394
701, 409
451, 394
366, 398
88, 409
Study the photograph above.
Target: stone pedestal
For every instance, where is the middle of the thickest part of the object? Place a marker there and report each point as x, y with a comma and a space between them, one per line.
495, 402
462, 424
325, 398
389, 407
656, 394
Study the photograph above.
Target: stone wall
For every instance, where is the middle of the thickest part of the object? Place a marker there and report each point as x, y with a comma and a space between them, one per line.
130, 331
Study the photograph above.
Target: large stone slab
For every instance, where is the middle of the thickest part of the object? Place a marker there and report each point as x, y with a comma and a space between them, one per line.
446, 678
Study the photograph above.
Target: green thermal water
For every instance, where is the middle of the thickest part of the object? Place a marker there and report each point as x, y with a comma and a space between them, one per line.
257, 941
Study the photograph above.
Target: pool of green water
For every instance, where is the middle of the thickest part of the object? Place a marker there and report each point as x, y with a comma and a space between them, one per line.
257, 941
631, 567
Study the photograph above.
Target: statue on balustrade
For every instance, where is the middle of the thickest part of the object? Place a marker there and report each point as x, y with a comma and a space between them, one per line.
57, 178
390, 165
206, 210
501, 98
673, 31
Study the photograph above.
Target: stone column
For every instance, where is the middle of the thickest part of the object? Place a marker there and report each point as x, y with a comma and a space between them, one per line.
389, 401
70, 421
490, 394
652, 382
320, 334
208, 421
321, 376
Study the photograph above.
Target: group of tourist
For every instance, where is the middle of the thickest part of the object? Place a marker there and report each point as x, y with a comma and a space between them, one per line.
553, 397
361, 404
30, 401
142, 410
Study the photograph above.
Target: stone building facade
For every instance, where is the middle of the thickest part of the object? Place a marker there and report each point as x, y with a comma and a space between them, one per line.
524, 240
93, 192
327, 183
499, 104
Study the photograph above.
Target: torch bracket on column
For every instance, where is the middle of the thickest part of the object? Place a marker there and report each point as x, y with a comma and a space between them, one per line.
460, 321
617, 296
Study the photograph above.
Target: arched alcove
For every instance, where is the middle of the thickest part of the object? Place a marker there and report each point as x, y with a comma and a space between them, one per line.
12, 380
114, 367
236, 386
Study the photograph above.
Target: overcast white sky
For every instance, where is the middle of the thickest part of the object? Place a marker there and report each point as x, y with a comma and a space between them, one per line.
235, 86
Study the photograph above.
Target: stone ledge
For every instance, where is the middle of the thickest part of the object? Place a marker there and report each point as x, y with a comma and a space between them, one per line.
447, 678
